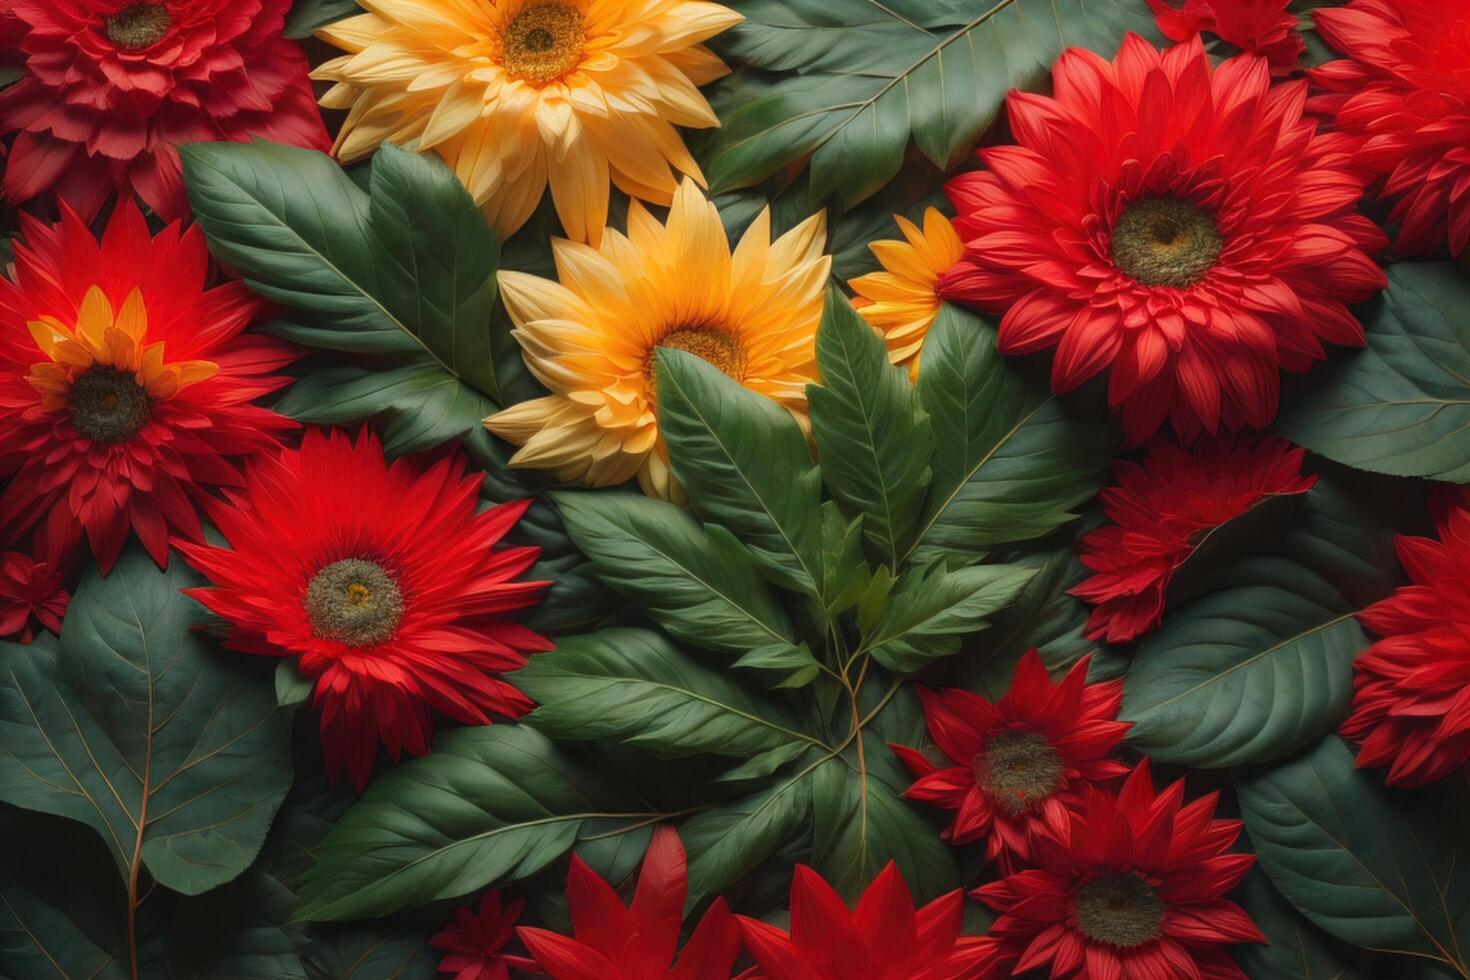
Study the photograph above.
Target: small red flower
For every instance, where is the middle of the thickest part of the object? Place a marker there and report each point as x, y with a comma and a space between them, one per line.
475, 941
1018, 765
615, 942
884, 938
1403, 92
1134, 887
1162, 510
114, 87
30, 594
1411, 701
384, 580
1260, 27
1183, 227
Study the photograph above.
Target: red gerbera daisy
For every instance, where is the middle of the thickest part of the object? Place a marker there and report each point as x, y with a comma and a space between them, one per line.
1162, 510
1182, 224
1405, 93
475, 942
884, 938
1020, 763
1259, 27
614, 942
1135, 887
30, 594
113, 87
125, 384
382, 578
1411, 703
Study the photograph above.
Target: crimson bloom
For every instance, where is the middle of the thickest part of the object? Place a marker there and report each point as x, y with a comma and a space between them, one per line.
1404, 92
1019, 764
113, 87
125, 384
31, 594
384, 581
1162, 510
884, 938
1184, 225
615, 942
1135, 887
474, 943
1411, 699
1259, 27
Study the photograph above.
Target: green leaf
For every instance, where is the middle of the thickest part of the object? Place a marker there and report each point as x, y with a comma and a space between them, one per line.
744, 463
1295, 949
292, 686
727, 843
175, 753
698, 583
873, 439
860, 76
487, 805
930, 610
1402, 406
634, 686
10, 74
41, 940
1012, 460
308, 15
1375, 868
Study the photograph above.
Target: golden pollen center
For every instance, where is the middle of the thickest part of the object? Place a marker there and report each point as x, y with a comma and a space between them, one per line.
543, 43
1163, 241
706, 343
354, 601
1018, 770
138, 26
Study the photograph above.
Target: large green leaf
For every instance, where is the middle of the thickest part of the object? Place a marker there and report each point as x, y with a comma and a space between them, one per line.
861, 76
873, 439
308, 15
1376, 868
1012, 460
488, 804
1402, 406
173, 751
41, 938
931, 609
1294, 948
732, 840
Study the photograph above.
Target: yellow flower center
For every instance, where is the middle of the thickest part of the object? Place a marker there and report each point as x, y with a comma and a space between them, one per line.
1018, 770
354, 601
138, 26
1163, 241
706, 343
108, 404
1119, 909
543, 43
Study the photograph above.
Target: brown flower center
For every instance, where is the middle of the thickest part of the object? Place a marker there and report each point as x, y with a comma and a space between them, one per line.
1163, 241
107, 404
138, 26
706, 343
1018, 770
1119, 909
543, 43
354, 601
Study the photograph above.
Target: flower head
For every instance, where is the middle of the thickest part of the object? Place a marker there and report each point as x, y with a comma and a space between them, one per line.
125, 384
516, 94
113, 87
1260, 27
1133, 887
384, 580
1403, 92
1183, 225
884, 938
1017, 765
591, 337
1161, 512
1411, 699
31, 595
902, 301
474, 943
616, 942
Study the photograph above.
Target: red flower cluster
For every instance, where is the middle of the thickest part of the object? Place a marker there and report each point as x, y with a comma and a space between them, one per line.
475, 941
113, 87
31, 594
1260, 27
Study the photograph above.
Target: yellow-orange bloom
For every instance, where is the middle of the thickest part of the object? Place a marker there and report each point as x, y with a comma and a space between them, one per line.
901, 302
514, 94
590, 338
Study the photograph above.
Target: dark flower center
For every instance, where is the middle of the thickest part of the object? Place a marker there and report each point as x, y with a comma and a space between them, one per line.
138, 26
107, 404
1018, 770
1119, 909
543, 42
354, 601
1162, 241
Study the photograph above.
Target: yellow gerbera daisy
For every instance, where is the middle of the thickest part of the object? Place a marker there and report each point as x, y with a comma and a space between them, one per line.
901, 302
590, 338
514, 94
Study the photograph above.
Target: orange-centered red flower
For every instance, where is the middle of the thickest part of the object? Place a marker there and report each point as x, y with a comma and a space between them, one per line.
1016, 766
1404, 93
1261, 27
126, 387
1182, 226
113, 87
1411, 703
385, 581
